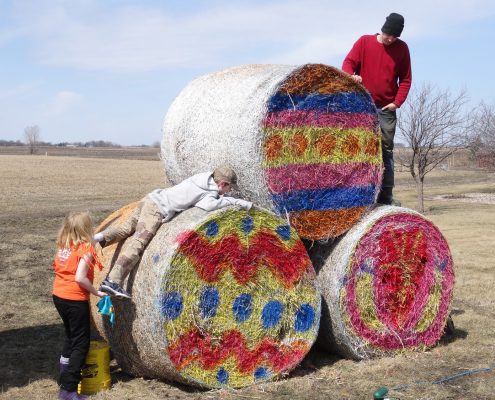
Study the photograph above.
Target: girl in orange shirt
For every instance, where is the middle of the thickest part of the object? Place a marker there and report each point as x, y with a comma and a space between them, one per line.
74, 265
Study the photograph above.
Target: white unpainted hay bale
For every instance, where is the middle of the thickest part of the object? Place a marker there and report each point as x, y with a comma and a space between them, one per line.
222, 299
386, 285
303, 140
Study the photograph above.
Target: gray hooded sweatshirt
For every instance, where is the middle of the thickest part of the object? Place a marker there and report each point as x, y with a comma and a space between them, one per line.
199, 190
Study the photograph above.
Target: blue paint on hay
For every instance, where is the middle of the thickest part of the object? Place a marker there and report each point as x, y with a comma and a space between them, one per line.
242, 307
222, 376
212, 229
284, 232
338, 102
443, 265
208, 302
366, 268
271, 314
171, 305
261, 373
324, 199
247, 224
156, 258
304, 318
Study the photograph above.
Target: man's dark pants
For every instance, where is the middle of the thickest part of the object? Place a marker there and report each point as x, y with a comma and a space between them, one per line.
388, 122
75, 315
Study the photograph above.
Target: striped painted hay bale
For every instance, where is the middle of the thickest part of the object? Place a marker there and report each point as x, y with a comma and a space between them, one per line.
387, 285
224, 299
303, 140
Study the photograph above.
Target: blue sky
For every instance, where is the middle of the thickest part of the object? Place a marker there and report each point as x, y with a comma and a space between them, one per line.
109, 70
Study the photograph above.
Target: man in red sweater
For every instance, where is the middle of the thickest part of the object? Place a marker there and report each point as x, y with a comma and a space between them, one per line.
381, 62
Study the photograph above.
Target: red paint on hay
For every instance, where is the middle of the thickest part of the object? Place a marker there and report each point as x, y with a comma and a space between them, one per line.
403, 265
287, 178
400, 273
301, 118
265, 248
194, 346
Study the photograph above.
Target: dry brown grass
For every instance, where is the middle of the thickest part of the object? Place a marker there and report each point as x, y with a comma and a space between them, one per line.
36, 191
121, 153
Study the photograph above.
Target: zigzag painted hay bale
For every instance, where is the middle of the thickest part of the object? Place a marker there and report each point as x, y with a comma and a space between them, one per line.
303, 140
222, 299
387, 285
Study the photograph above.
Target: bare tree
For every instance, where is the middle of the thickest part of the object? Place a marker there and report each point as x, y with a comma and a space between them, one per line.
481, 141
32, 137
433, 124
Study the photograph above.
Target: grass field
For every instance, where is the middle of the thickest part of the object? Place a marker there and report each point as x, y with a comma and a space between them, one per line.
129, 153
37, 191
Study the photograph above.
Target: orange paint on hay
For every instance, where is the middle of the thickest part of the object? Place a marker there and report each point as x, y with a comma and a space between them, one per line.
372, 146
325, 145
298, 144
317, 225
118, 216
319, 78
273, 147
351, 146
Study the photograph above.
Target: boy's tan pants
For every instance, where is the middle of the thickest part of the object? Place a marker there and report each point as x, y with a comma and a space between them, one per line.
142, 224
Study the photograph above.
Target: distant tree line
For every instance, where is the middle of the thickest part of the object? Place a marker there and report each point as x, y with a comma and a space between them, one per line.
11, 143
92, 143
32, 140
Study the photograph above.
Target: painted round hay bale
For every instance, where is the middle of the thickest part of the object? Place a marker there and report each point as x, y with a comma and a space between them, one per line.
387, 285
222, 299
303, 140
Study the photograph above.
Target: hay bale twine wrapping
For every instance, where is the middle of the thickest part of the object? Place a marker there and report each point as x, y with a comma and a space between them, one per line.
387, 285
222, 299
303, 140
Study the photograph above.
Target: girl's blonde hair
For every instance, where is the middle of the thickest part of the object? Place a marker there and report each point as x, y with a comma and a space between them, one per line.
77, 228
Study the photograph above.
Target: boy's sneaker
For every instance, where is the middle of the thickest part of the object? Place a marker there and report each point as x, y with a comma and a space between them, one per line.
113, 289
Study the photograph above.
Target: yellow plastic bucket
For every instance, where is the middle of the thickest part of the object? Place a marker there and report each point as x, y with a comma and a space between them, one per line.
96, 374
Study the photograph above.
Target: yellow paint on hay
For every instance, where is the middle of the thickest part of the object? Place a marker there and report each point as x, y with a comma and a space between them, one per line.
430, 310
311, 155
263, 288
365, 302
230, 222
343, 306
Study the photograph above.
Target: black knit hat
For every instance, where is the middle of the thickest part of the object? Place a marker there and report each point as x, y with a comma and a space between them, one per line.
393, 25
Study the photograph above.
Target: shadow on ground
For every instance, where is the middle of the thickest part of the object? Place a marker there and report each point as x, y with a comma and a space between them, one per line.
29, 354
32, 353
316, 359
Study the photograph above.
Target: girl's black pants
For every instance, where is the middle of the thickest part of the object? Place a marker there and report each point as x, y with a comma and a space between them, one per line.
75, 315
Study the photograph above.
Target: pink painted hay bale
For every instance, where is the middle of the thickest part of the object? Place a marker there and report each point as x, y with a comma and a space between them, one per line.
303, 139
387, 285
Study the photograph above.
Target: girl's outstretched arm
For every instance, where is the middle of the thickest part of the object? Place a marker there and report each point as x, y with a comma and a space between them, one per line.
82, 278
